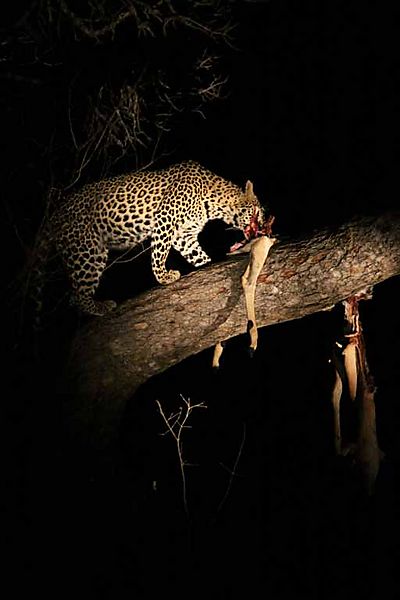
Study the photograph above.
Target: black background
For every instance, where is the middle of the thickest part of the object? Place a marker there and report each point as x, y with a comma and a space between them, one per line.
312, 120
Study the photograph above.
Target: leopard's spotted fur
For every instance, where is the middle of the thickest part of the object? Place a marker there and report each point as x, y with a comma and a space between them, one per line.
170, 206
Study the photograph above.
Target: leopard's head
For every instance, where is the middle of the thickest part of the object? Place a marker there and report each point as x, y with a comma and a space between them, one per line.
249, 212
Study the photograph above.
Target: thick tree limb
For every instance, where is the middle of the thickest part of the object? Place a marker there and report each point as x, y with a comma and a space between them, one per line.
113, 355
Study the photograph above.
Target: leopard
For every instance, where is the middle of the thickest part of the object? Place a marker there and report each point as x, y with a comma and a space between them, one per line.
171, 206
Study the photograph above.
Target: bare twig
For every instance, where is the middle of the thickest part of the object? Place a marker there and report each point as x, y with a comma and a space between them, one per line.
119, 260
176, 423
233, 472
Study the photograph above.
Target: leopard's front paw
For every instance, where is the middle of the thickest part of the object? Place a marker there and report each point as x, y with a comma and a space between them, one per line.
168, 277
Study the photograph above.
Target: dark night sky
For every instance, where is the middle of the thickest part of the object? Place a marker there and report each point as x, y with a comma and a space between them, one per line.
312, 120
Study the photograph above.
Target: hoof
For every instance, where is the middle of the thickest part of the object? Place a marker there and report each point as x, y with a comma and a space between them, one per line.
251, 351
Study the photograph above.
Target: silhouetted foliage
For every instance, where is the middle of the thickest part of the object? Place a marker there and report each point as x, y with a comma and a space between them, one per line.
113, 78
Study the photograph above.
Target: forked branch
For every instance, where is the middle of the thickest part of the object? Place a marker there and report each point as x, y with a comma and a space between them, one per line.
176, 423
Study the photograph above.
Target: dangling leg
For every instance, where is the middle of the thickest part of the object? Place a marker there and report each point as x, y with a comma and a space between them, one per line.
85, 265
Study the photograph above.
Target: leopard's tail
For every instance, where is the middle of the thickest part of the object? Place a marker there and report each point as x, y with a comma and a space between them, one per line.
36, 271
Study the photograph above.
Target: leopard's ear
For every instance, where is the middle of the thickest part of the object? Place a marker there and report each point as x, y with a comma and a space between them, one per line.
249, 189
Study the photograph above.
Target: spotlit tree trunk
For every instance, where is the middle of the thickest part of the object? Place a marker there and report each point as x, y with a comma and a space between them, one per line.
112, 356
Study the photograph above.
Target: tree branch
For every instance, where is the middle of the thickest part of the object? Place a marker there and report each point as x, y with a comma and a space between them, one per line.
113, 355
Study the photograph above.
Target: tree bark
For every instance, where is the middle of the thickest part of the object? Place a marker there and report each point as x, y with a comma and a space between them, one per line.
113, 355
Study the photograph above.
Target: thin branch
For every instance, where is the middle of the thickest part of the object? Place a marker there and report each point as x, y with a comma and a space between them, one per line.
176, 423
233, 472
